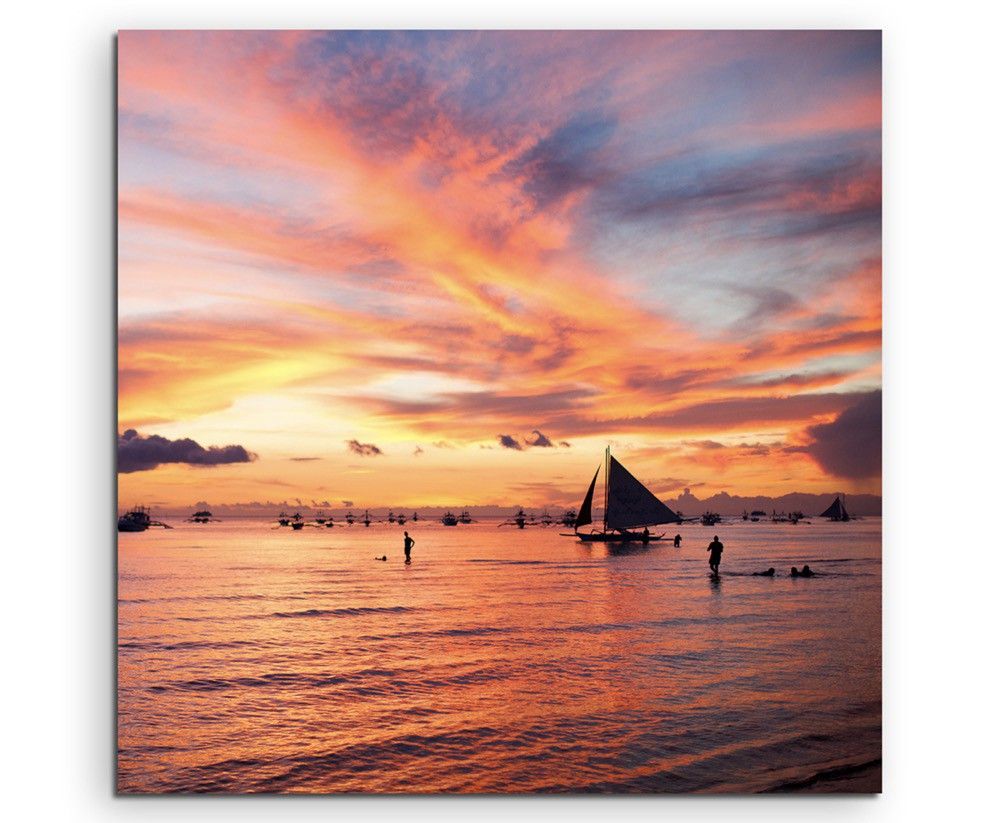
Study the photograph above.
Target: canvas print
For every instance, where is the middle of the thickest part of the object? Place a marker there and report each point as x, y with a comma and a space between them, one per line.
499, 412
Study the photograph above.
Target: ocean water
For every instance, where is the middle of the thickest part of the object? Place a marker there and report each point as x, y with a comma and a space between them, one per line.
253, 659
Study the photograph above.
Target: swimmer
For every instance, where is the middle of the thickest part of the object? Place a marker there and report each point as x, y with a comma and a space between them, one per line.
768, 573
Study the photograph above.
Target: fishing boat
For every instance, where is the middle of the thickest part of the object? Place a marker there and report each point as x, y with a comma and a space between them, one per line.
203, 516
448, 519
520, 519
836, 511
465, 517
628, 504
137, 519
710, 518
569, 517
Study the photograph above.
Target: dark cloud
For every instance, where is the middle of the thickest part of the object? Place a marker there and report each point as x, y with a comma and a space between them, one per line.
540, 440
769, 303
567, 159
727, 413
795, 379
782, 199
364, 449
647, 379
509, 442
850, 446
138, 452
483, 404
517, 343
753, 449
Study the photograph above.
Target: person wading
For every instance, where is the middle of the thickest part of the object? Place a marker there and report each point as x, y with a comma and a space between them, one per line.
407, 545
715, 547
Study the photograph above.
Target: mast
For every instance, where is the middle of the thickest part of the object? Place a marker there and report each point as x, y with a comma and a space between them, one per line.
607, 474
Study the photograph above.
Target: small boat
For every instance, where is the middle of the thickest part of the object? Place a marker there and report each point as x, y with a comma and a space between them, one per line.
368, 520
416, 517
448, 519
628, 505
465, 517
401, 519
836, 511
710, 518
545, 519
569, 517
137, 519
520, 520
204, 516
297, 525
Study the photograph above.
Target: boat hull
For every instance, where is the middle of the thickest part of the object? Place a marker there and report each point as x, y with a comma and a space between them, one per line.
605, 537
131, 527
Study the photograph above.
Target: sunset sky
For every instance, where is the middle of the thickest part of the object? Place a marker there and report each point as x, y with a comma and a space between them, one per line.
449, 268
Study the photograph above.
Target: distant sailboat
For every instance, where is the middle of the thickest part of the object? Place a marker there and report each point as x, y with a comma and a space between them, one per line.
837, 511
628, 504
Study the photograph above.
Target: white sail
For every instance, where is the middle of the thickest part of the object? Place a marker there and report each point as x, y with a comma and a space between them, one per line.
631, 504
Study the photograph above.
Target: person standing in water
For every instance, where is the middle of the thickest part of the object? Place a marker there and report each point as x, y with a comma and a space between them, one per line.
407, 545
677, 541
715, 547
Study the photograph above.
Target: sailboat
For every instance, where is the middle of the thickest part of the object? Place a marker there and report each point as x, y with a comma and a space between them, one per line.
837, 511
628, 504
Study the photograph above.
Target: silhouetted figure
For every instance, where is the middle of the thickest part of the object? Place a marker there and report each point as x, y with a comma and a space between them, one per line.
807, 572
407, 545
715, 547
645, 536
677, 541
768, 573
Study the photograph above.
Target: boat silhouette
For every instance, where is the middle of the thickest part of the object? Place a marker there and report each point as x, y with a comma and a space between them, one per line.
628, 505
137, 519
